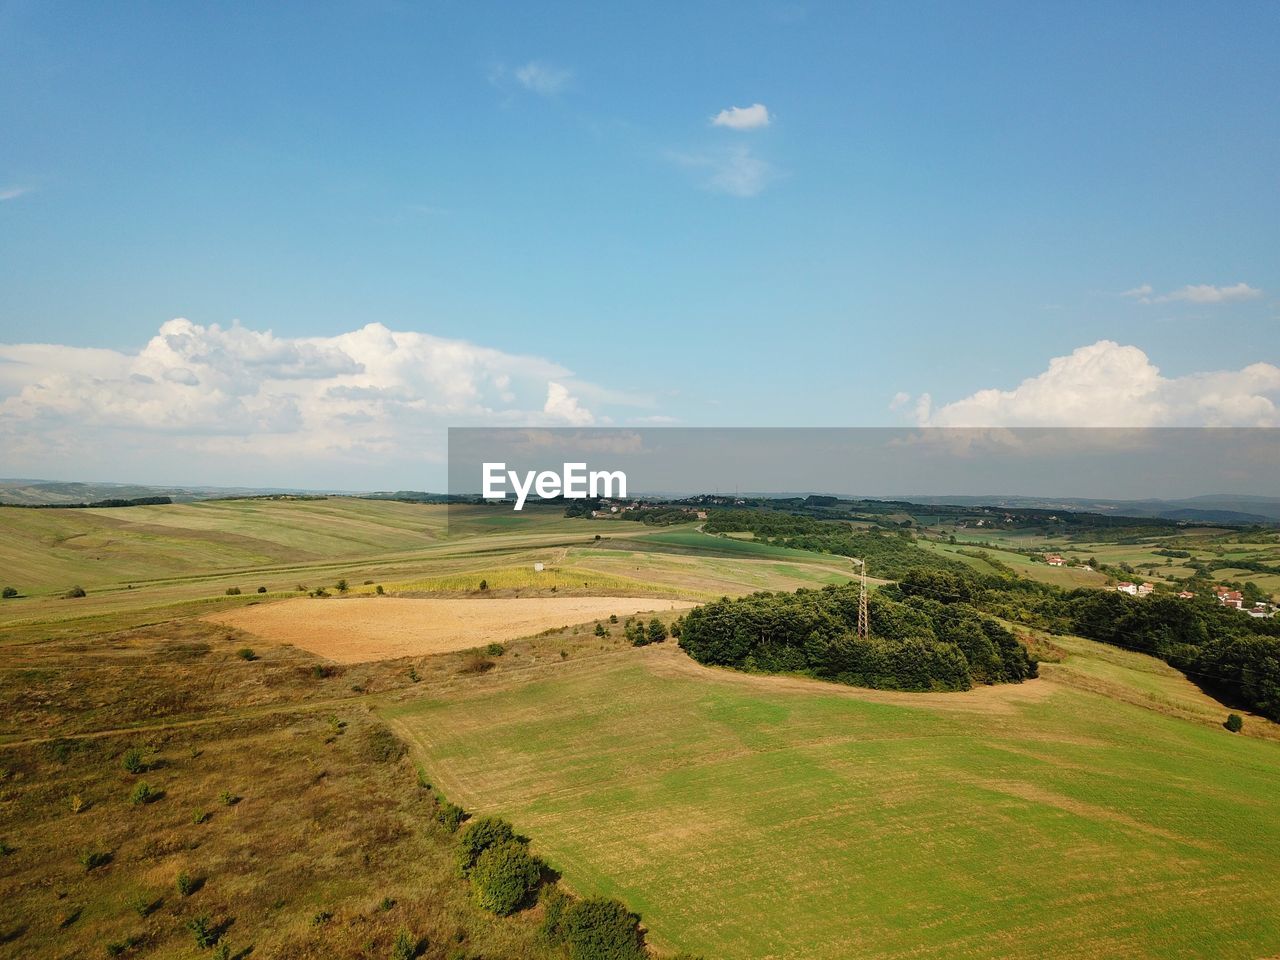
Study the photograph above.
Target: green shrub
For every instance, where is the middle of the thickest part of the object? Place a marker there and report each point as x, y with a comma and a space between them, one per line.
554, 904
405, 947
342, 586
92, 858
186, 884
450, 815
5, 849
321, 918
504, 876
495, 649
74, 593
380, 745
482, 834
246, 653
262, 589
1235, 722
602, 929
228, 799
378, 590
601, 631
133, 761
202, 929
233, 591
9, 592
143, 793
484, 585
613, 618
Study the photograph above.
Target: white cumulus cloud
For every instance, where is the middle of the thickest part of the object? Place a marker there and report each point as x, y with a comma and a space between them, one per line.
195, 394
743, 118
1106, 384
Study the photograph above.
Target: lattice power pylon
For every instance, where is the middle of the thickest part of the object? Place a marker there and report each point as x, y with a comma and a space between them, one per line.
864, 615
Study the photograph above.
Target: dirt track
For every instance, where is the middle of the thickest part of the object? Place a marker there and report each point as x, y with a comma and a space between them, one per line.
360, 629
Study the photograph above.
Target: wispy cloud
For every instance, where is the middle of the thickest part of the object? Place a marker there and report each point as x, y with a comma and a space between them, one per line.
543, 78
1195, 293
13, 193
743, 118
737, 171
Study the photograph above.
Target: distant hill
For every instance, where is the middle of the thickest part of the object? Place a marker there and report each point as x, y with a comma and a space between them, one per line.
52, 493
1211, 508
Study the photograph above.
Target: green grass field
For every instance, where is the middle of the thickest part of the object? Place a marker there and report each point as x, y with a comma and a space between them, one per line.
1099, 811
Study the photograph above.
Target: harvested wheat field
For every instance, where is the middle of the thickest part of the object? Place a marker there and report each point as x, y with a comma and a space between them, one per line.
360, 629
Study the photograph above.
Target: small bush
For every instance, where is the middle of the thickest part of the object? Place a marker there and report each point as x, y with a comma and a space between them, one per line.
233, 591
484, 585
657, 631
76, 803
202, 929
118, 948
321, 918
246, 653
554, 904
450, 815
320, 592
477, 664
380, 745
601, 631
143, 793
9, 592
613, 618
495, 649
262, 589
405, 947
228, 799
378, 590
75, 593
133, 761
482, 834
504, 876
602, 929
1235, 722
92, 858
342, 586
5, 849
201, 816
186, 884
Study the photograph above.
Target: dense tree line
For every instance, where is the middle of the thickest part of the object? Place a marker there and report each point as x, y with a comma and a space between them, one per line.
1235, 655
890, 554
917, 643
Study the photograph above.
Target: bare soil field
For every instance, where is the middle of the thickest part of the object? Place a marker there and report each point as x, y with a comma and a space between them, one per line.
360, 629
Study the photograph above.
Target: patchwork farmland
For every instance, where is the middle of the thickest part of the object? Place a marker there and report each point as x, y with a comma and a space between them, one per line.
306, 687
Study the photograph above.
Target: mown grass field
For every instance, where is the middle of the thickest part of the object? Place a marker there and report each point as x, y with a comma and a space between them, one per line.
1100, 811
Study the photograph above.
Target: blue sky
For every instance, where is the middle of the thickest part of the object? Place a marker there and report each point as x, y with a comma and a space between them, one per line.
944, 198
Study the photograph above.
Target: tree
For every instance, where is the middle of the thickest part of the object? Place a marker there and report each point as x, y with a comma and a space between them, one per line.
504, 876
342, 586
10, 592
484, 585
1235, 723
483, 833
657, 632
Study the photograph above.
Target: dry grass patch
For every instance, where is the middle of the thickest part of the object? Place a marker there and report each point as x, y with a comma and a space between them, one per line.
361, 629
